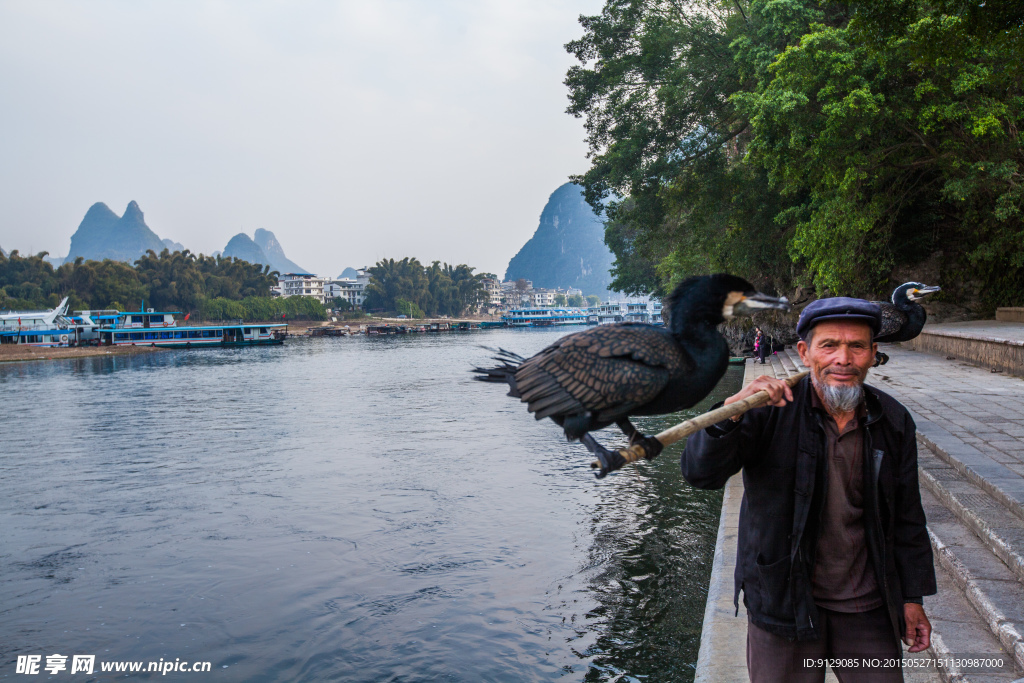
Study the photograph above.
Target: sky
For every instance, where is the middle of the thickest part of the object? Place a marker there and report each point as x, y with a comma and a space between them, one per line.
355, 131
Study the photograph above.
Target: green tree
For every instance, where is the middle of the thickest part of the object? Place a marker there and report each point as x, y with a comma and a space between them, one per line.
439, 289
898, 132
593, 300
560, 299
800, 142
577, 301
408, 308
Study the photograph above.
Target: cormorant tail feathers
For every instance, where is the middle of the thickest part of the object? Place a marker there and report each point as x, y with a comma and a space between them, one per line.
504, 373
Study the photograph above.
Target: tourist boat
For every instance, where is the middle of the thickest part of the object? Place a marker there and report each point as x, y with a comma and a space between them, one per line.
543, 317
38, 328
152, 328
616, 312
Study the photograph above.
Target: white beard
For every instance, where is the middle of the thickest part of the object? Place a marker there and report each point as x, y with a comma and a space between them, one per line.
841, 398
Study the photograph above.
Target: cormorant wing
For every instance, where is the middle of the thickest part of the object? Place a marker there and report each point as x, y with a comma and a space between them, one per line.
892, 320
607, 370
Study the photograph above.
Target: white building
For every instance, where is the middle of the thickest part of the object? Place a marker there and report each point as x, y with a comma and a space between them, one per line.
542, 297
351, 290
303, 284
494, 290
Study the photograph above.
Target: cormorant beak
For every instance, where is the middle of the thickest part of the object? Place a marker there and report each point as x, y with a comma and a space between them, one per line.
922, 292
750, 304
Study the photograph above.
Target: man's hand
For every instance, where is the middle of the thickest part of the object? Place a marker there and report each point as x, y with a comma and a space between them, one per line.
919, 629
778, 392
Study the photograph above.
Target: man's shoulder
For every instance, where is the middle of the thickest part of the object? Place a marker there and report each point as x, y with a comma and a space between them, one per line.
891, 408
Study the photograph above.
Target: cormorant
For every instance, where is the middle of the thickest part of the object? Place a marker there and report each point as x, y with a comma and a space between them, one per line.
903, 319
602, 376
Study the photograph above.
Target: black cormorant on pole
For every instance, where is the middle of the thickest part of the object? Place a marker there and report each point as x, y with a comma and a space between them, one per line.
904, 318
589, 380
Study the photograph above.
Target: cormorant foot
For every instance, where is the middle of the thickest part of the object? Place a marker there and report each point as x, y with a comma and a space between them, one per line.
607, 461
650, 445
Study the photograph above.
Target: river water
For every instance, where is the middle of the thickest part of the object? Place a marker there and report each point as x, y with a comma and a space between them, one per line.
351, 509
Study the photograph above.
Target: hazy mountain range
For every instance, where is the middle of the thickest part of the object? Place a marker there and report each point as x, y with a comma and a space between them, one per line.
103, 234
568, 248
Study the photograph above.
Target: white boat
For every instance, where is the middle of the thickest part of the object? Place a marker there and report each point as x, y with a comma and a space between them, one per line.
38, 328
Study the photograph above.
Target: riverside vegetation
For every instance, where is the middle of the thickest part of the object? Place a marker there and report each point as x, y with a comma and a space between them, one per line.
219, 288
415, 290
215, 288
839, 145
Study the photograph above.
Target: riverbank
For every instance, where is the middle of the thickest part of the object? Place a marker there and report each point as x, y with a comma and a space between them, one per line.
12, 353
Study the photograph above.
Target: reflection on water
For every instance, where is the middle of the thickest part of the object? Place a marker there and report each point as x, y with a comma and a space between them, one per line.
336, 509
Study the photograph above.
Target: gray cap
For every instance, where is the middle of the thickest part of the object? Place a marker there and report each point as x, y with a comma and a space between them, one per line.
839, 308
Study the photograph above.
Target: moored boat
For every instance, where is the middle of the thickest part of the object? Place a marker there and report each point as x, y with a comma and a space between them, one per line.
152, 328
543, 317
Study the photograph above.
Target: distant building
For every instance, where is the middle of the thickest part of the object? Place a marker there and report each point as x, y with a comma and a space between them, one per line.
351, 290
542, 297
303, 284
511, 284
494, 290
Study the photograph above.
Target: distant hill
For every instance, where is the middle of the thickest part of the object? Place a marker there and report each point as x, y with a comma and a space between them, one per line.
173, 246
242, 247
272, 248
264, 249
568, 248
349, 274
102, 234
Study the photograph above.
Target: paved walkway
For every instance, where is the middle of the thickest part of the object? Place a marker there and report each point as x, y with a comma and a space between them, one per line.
974, 414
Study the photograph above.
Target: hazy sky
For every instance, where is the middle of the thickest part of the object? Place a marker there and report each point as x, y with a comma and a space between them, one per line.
353, 130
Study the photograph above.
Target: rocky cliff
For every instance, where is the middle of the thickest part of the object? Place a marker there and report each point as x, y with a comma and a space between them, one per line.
567, 249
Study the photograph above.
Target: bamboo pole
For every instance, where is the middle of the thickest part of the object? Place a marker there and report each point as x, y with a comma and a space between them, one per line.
693, 425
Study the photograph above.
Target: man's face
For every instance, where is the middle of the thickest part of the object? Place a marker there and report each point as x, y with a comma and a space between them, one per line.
840, 352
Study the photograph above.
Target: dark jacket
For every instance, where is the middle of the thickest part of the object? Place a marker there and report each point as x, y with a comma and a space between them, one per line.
782, 452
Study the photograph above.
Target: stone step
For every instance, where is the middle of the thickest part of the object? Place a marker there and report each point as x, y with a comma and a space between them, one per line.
997, 527
997, 479
991, 588
957, 630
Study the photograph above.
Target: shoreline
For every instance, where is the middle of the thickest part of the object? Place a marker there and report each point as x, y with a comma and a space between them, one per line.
19, 353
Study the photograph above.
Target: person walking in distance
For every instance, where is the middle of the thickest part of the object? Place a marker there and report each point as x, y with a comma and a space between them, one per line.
763, 347
833, 555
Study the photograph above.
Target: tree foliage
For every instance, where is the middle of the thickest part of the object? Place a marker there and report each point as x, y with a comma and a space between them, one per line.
178, 281
253, 308
806, 142
437, 289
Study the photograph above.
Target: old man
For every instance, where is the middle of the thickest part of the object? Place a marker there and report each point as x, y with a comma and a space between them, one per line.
833, 558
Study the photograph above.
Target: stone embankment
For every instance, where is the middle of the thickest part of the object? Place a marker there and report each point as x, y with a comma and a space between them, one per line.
970, 419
